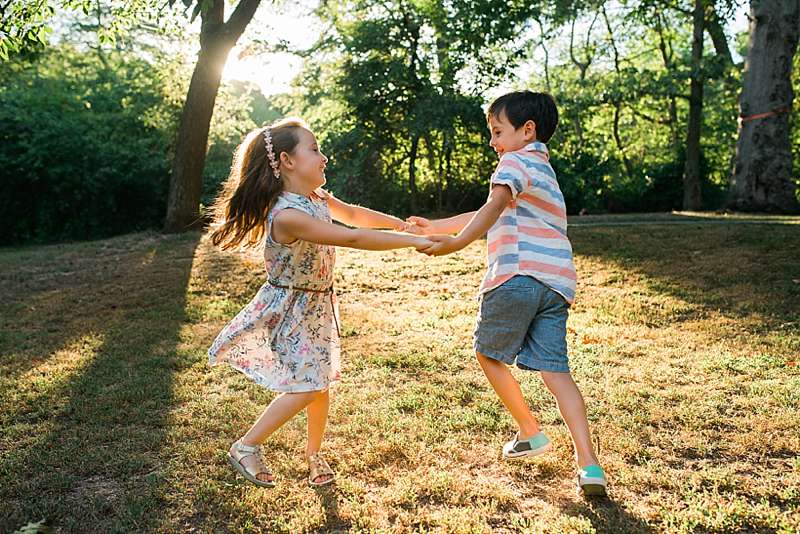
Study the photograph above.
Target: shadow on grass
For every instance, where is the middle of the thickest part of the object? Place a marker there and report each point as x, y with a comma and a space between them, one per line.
606, 515
329, 499
740, 271
82, 436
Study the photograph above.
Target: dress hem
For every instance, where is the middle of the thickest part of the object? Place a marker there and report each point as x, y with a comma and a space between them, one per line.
271, 387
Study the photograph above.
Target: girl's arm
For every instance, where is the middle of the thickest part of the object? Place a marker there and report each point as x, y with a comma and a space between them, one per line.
291, 224
483, 220
361, 217
451, 225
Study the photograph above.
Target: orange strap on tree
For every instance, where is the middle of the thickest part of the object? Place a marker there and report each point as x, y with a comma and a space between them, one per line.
745, 118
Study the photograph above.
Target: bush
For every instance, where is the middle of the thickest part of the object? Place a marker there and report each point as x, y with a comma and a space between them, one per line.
80, 155
87, 141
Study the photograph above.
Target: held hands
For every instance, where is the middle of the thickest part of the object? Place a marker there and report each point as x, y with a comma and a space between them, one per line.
432, 245
417, 226
422, 244
437, 245
441, 245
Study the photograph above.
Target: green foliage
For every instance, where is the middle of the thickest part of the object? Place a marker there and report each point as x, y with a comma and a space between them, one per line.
87, 137
83, 148
395, 95
396, 90
24, 26
640, 67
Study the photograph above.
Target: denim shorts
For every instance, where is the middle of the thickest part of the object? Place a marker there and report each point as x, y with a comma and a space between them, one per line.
525, 322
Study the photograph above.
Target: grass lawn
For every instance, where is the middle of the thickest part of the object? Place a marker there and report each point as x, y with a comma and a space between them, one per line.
684, 339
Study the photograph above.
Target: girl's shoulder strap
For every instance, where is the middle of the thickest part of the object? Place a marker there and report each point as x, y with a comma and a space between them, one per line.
295, 201
285, 201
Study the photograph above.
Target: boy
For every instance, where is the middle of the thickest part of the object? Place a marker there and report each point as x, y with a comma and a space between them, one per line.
530, 281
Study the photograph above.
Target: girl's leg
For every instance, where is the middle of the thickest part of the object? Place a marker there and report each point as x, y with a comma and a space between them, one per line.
573, 410
508, 390
317, 413
281, 409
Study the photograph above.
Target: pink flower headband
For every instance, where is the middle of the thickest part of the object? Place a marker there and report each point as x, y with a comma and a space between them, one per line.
273, 162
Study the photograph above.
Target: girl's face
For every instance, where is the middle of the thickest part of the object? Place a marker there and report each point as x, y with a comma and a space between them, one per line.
506, 138
306, 164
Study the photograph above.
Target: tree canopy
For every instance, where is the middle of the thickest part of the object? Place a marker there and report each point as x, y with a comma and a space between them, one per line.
648, 93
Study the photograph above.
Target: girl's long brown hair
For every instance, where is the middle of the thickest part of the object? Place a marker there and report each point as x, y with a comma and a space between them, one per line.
251, 189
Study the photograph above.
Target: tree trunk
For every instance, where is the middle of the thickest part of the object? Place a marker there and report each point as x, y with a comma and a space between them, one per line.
616, 99
448, 177
217, 38
762, 175
666, 56
412, 172
186, 186
692, 200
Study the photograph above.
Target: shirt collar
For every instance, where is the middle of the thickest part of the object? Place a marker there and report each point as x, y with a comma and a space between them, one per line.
536, 146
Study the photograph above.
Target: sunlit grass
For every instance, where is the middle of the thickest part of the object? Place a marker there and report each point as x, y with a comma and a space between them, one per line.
684, 340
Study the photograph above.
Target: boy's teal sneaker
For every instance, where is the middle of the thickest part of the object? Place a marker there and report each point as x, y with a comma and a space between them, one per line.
592, 481
533, 446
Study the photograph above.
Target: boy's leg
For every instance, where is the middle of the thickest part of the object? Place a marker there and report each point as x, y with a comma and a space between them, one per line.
508, 390
573, 410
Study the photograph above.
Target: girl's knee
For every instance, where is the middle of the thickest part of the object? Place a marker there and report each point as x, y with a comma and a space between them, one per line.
319, 395
309, 396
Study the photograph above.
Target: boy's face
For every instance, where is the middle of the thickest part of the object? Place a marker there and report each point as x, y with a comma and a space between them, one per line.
506, 138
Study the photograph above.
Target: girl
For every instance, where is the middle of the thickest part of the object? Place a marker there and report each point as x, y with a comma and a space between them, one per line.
287, 337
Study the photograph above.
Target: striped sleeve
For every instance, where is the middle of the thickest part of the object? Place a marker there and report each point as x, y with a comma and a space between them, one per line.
510, 172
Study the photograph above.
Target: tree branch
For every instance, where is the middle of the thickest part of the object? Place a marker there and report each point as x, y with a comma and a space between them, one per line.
611, 38
648, 117
714, 29
662, 44
241, 17
212, 19
546, 54
581, 66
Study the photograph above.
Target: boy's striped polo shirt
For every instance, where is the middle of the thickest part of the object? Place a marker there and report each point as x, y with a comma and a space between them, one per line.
530, 236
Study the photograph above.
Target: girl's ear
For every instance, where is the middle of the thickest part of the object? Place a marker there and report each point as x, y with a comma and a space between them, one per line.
530, 130
286, 160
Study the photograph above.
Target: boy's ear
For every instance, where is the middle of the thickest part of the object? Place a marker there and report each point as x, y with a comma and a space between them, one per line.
530, 130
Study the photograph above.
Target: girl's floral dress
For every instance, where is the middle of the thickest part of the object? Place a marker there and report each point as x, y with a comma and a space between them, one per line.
287, 338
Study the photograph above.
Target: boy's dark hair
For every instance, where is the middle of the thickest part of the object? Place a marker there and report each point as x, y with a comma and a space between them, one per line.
524, 106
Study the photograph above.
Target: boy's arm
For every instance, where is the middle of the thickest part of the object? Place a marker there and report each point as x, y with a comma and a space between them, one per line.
480, 223
449, 225
361, 217
291, 224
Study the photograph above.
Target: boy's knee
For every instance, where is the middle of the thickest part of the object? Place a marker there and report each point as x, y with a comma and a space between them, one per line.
483, 359
551, 378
